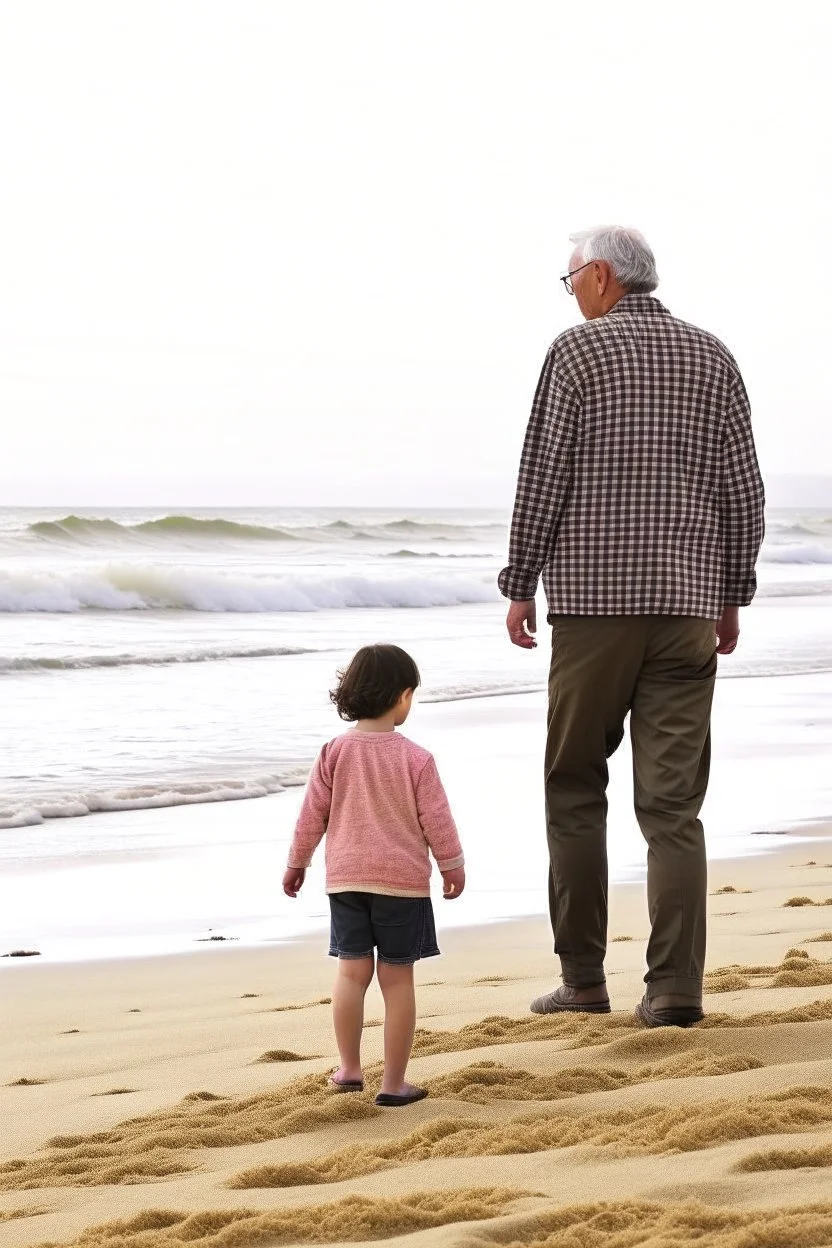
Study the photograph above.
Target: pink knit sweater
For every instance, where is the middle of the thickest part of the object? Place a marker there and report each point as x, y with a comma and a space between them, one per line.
379, 799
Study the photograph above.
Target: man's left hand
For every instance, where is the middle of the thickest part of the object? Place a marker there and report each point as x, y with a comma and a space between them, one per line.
521, 623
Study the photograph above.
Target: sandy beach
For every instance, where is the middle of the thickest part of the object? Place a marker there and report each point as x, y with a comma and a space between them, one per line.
153, 1101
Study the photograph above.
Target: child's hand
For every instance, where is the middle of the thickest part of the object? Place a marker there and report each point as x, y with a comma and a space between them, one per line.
453, 883
293, 881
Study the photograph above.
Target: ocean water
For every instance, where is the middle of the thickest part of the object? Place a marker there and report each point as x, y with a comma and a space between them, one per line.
152, 659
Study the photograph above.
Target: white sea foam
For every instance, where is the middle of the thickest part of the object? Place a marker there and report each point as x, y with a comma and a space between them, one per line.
36, 810
131, 587
797, 552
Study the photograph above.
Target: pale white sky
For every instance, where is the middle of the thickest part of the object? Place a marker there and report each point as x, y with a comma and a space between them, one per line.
267, 252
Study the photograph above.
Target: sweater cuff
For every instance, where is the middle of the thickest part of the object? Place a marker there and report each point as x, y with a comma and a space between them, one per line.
295, 863
452, 864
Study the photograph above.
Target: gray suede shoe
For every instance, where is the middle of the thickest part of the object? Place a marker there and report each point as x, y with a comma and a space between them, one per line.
566, 1000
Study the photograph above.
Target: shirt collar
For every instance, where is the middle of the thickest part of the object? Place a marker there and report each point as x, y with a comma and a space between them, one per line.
645, 305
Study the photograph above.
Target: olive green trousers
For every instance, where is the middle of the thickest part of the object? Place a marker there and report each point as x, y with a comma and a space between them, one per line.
661, 669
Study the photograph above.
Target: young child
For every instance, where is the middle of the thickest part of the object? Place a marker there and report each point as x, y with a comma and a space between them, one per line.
378, 797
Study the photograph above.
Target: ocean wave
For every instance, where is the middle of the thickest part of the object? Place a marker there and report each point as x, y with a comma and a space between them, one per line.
90, 530
83, 529
798, 529
133, 587
795, 589
29, 812
797, 552
435, 554
86, 662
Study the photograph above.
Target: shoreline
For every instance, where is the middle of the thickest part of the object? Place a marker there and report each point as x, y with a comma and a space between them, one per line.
151, 881
772, 844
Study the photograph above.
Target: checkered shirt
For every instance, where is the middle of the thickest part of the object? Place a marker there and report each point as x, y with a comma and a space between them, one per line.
639, 491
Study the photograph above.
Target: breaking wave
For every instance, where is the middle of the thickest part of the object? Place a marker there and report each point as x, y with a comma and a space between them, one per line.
797, 552
30, 811
134, 587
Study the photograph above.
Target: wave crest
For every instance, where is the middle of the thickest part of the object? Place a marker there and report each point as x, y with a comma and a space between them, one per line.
135, 587
91, 530
85, 529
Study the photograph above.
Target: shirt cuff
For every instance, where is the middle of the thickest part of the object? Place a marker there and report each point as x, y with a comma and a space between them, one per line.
517, 584
740, 593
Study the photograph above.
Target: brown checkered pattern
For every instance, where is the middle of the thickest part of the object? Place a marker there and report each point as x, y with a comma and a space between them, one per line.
639, 491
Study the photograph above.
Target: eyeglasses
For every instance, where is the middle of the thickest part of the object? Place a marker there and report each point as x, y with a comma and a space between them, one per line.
567, 277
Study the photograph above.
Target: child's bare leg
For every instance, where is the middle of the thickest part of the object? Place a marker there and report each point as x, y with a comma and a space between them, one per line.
396, 983
351, 983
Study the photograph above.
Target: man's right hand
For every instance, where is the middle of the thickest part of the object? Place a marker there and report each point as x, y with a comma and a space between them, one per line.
728, 630
521, 623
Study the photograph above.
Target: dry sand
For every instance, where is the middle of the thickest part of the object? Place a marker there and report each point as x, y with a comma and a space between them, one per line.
182, 1100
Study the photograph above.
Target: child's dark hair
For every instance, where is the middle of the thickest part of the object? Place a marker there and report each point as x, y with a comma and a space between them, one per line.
373, 682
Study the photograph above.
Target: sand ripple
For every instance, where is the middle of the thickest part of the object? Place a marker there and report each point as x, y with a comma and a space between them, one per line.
797, 970
489, 1081
354, 1218
633, 1224
645, 1129
152, 1146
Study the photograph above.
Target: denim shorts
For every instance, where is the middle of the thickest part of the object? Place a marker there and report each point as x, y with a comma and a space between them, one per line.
401, 928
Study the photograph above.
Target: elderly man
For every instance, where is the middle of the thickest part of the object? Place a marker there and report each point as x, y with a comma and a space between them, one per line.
639, 499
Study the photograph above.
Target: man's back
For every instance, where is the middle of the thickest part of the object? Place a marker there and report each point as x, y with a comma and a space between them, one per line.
641, 483
640, 501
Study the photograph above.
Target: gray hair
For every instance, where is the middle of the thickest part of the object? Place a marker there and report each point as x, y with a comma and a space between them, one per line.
626, 251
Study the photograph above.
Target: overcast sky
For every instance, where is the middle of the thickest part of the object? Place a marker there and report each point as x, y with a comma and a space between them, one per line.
267, 252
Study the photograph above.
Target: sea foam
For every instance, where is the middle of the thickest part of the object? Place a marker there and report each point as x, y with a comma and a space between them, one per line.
29, 812
132, 587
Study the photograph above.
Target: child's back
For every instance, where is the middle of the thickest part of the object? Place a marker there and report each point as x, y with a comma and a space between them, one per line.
378, 798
